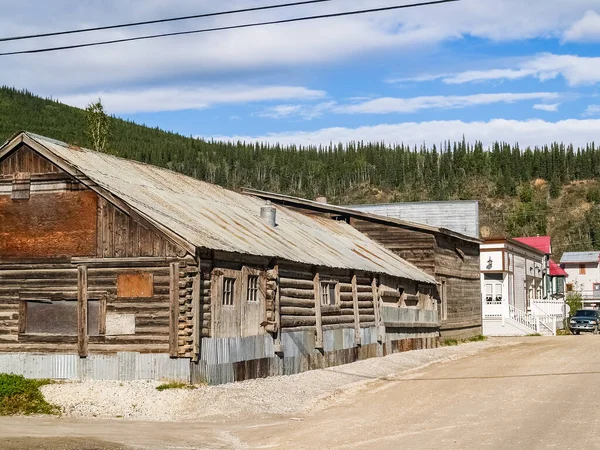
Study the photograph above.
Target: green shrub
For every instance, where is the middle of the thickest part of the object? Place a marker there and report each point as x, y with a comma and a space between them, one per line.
574, 301
174, 385
19, 395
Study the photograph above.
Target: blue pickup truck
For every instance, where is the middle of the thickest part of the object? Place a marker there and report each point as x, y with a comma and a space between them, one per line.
585, 320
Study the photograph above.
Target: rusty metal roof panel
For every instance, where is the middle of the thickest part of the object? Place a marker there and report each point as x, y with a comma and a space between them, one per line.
212, 217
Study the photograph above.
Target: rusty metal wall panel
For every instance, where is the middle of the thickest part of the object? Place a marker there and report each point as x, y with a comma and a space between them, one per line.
48, 225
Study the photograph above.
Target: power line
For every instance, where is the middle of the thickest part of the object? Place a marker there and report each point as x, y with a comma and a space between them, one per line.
231, 27
151, 22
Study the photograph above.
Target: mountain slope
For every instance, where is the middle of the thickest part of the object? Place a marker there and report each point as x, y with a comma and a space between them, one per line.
550, 189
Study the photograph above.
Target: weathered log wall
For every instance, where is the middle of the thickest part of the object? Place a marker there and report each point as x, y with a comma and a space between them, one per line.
453, 261
139, 323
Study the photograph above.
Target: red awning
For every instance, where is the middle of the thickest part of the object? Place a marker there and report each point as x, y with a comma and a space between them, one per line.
556, 270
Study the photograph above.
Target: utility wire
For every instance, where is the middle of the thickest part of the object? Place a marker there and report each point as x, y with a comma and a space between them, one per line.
231, 27
151, 22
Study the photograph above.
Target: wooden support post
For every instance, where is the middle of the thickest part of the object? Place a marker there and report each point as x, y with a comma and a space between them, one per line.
319, 318
22, 316
357, 338
376, 309
197, 311
82, 311
102, 315
277, 344
174, 310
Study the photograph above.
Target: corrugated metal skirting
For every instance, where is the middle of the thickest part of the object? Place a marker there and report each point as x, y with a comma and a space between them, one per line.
122, 366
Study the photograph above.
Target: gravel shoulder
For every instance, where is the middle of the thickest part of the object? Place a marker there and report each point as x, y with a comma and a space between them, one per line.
275, 396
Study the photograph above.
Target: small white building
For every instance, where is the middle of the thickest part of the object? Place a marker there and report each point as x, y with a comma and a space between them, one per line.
583, 269
517, 289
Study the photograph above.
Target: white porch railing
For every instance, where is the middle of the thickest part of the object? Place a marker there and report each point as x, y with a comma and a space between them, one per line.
548, 307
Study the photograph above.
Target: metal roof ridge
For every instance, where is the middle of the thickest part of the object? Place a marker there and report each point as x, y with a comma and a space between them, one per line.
353, 212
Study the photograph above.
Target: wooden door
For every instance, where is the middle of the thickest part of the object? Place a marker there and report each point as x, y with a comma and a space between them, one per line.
253, 310
227, 304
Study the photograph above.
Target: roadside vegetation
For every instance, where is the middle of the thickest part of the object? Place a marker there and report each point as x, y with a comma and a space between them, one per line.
174, 385
453, 342
19, 395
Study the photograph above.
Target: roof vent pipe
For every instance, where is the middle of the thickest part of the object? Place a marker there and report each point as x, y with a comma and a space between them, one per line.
268, 213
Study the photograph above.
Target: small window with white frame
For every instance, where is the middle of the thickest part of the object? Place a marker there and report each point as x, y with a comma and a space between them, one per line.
228, 291
329, 293
252, 289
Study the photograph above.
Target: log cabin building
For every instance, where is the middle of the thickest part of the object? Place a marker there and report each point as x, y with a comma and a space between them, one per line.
115, 269
451, 257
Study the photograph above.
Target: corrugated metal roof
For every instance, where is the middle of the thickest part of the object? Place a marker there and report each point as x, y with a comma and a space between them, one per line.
209, 216
349, 212
580, 257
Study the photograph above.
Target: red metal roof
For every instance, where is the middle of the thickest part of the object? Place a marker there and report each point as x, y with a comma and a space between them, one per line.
556, 270
541, 243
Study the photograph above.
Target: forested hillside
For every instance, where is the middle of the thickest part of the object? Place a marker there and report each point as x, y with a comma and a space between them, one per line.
550, 189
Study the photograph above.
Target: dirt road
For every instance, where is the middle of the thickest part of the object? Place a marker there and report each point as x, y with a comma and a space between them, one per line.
544, 393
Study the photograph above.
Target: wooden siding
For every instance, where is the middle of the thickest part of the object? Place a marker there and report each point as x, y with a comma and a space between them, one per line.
26, 160
120, 236
415, 247
48, 225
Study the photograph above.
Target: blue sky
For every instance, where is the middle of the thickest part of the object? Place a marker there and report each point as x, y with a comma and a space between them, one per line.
517, 71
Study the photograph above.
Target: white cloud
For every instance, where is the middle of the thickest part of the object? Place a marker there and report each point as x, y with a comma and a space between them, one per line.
180, 98
592, 110
306, 112
576, 70
526, 133
408, 105
585, 30
549, 107
238, 53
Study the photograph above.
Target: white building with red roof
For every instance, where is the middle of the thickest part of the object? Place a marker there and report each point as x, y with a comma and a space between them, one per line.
522, 288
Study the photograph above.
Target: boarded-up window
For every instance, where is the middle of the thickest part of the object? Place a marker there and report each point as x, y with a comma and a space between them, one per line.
252, 294
581, 269
569, 287
59, 318
228, 291
135, 285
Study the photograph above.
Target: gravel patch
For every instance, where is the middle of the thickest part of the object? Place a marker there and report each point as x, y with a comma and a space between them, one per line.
286, 395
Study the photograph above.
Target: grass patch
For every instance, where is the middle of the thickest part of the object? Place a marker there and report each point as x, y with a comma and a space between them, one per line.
453, 342
174, 385
19, 395
564, 332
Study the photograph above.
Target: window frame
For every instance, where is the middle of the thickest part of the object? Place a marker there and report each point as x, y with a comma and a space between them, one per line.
326, 293
26, 297
252, 288
229, 294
